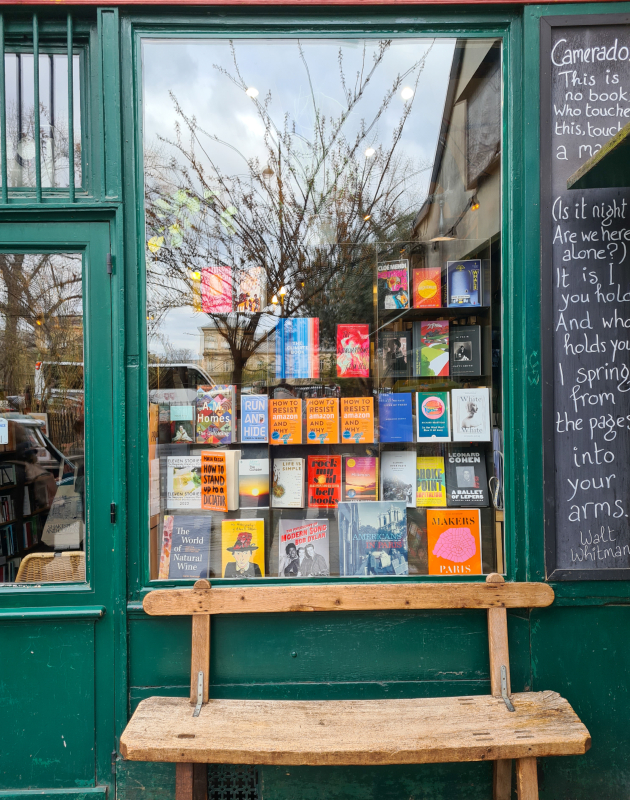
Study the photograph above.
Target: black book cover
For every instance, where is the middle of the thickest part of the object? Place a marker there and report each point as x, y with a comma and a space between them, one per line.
466, 479
465, 350
395, 354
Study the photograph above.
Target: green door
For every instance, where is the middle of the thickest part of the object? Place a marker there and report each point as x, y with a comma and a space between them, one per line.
57, 522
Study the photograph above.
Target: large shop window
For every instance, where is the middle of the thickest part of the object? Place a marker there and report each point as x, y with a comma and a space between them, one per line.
323, 240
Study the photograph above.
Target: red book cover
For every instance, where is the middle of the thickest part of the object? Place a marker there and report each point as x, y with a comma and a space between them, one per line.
353, 351
324, 481
427, 288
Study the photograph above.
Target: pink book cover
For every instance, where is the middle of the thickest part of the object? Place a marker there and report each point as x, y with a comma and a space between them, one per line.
216, 290
313, 340
353, 351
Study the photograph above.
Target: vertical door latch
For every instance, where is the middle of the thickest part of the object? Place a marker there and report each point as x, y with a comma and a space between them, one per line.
112, 513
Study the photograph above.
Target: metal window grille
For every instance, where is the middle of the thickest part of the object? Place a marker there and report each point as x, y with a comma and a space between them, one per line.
232, 782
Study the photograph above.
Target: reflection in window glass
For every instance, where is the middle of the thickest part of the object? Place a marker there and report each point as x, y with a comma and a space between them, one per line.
323, 307
53, 99
42, 491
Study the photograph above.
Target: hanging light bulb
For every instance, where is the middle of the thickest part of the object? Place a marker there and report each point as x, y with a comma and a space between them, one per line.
474, 203
274, 300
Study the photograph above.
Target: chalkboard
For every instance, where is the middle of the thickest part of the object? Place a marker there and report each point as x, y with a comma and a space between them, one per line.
585, 99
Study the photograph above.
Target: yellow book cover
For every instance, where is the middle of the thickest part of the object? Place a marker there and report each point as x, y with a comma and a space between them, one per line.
322, 420
285, 421
431, 482
357, 420
243, 548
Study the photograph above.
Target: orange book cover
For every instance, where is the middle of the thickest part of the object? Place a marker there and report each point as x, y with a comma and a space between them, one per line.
213, 481
454, 541
427, 288
322, 420
285, 421
357, 420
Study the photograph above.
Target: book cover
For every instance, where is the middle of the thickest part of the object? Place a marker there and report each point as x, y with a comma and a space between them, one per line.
394, 418
251, 292
431, 481
183, 482
433, 419
464, 281
288, 483
454, 541
243, 548
471, 415
164, 423
182, 418
165, 552
214, 480
254, 418
360, 478
466, 478
427, 287
285, 421
189, 546
393, 285
373, 539
431, 351
322, 420
253, 483
297, 347
216, 422
216, 290
303, 549
398, 477
395, 354
466, 350
324, 481
357, 420
353, 351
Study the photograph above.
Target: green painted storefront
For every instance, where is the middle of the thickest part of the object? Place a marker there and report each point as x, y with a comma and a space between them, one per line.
74, 661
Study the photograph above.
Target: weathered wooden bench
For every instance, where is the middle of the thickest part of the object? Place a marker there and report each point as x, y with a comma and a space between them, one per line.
195, 731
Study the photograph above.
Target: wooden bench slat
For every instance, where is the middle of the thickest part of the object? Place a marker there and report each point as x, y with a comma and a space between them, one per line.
346, 597
414, 731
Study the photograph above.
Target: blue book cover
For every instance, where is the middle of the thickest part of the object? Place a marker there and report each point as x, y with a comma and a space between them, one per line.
464, 283
394, 418
189, 546
254, 418
280, 348
297, 348
373, 539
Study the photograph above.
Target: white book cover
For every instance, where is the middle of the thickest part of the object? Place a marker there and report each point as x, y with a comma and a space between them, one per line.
183, 482
288, 483
232, 459
471, 415
398, 477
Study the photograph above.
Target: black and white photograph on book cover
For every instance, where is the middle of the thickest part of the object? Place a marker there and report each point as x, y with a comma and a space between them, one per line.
303, 548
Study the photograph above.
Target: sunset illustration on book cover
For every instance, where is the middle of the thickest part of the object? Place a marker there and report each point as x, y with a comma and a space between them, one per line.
353, 351
322, 420
360, 478
454, 541
427, 288
216, 290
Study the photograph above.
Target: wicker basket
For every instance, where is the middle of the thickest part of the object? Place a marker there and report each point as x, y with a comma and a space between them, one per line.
52, 567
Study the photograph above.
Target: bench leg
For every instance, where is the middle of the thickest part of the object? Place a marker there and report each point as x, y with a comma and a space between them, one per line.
527, 779
191, 782
502, 780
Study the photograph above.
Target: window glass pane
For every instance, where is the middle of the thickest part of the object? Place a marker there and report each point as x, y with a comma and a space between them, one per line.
323, 231
42, 490
53, 99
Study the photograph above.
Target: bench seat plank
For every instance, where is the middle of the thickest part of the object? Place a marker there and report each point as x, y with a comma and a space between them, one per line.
414, 731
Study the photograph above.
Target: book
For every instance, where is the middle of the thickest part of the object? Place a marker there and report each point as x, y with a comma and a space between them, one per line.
433, 419
395, 354
393, 284
182, 419
431, 481
216, 290
394, 418
251, 292
471, 415
427, 287
373, 539
357, 420
322, 420
164, 424
183, 482
324, 481
353, 351
398, 477
431, 351
243, 548
303, 548
466, 479
465, 350
454, 541
219, 480
254, 418
360, 478
253, 483
288, 483
189, 546
216, 421
297, 347
464, 282
285, 421
165, 550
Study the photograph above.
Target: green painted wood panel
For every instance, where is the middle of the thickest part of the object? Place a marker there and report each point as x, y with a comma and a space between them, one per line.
95, 793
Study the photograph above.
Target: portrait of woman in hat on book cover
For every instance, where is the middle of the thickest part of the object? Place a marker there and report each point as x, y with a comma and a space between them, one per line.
242, 566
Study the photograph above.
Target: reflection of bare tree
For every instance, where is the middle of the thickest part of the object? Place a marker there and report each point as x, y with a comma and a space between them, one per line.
307, 214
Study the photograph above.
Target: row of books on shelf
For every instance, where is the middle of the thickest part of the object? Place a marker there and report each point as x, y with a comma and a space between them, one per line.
15, 538
9, 570
222, 481
373, 541
325, 420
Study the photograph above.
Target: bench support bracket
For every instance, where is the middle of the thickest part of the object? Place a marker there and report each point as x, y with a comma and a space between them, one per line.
197, 710
504, 691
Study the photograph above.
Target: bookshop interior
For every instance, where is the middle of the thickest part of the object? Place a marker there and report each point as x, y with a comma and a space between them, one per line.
323, 317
